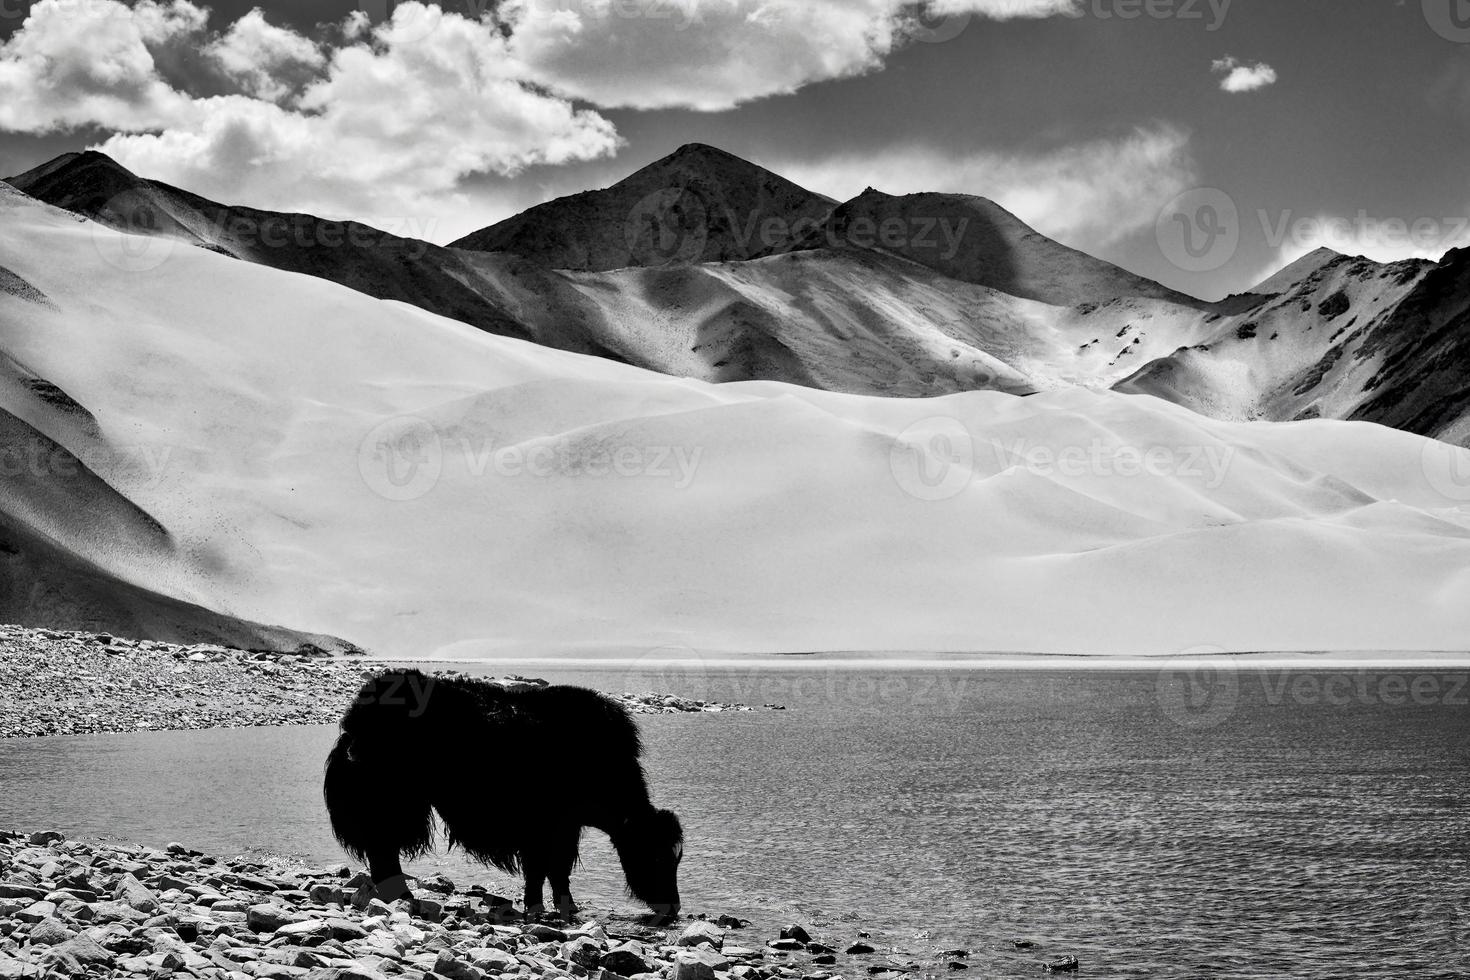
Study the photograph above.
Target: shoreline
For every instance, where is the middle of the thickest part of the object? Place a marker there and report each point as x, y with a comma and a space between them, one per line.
72, 909
55, 683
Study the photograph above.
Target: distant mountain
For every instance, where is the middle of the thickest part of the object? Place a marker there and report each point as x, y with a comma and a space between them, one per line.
706, 266
975, 240
1349, 339
699, 204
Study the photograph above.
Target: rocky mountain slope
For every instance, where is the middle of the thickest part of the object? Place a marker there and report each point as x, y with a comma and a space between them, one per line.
705, 266
699, 204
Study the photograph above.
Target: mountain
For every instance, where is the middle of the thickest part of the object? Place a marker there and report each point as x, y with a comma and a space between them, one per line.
846, 319
1348, 338
699, 204
925, 295
975, 240
278, 448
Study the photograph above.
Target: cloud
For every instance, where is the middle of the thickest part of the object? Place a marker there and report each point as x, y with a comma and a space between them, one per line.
269, 62
712, 55
383, 128
1239, 77
1089, 195
385, 121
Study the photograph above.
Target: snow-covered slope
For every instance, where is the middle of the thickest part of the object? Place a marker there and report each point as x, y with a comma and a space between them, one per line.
366, 469
1349, 339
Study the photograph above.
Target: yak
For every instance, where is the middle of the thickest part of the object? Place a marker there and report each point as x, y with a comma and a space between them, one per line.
569, 758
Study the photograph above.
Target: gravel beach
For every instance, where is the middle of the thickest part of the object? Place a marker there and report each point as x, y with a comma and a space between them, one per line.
74, 909
57, 683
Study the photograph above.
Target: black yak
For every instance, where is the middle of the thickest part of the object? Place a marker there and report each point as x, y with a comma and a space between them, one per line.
568, 759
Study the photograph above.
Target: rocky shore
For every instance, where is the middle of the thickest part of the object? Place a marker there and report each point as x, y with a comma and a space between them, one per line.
73, 909
57, 683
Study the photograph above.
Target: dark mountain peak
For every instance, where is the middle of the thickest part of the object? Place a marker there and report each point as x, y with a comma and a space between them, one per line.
975, 240
88, 167
698, 204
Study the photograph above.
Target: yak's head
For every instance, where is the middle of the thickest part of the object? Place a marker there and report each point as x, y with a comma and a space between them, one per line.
651, 844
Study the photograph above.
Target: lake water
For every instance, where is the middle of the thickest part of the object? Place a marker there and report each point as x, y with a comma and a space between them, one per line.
1233, 824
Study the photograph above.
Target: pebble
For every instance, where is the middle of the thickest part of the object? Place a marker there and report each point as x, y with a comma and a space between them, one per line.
210, 919
59, 683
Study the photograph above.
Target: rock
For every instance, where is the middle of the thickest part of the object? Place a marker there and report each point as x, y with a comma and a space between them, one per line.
625, 960
44, 837
698, 964
787, 945
135, 894
821, 949
345, 930
269, 918
583, 951
825, 959
701, 934
437, 883
493, 960
1064, 964
448, 966
304, 929
546, 934
49, 932
731, 922
796, 932
76, 956
11, 889
36, 911
860, 949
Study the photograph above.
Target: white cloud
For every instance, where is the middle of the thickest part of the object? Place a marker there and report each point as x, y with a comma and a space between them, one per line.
384, 129
712, 55
1239, 77
1089, 195
269, 62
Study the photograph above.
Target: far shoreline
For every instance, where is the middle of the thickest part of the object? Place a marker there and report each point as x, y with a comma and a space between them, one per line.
1374, 660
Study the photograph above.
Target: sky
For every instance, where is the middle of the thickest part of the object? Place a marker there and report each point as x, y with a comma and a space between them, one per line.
1202, 143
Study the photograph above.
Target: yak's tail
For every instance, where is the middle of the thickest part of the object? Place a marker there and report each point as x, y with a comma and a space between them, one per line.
376, 795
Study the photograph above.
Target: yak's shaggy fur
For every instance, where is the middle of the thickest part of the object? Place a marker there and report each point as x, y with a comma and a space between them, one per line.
413, 744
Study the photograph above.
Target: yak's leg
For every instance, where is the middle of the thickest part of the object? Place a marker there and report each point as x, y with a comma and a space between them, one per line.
389, 882
561, 857
533, 865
